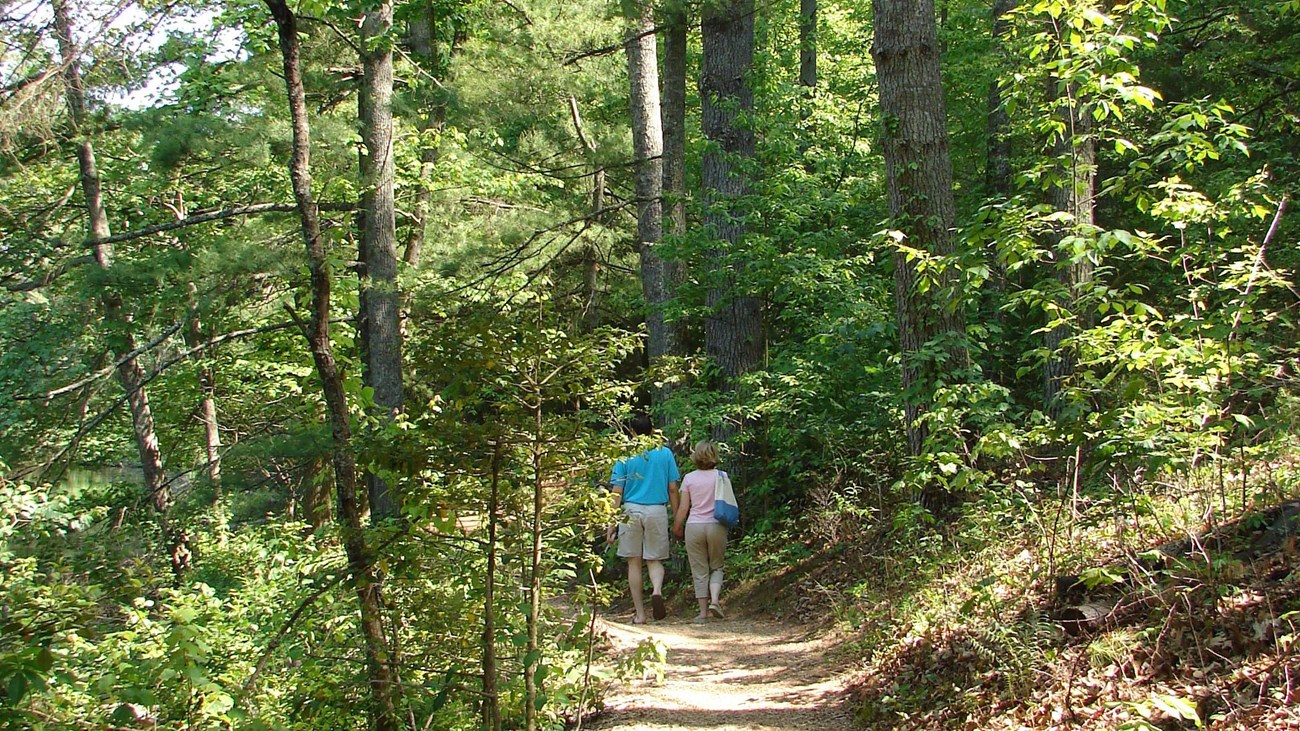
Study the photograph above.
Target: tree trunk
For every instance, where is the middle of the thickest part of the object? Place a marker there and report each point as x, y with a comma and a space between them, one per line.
648, 150
317, 484
591, 254
533, 654
674, 129
808, 43
1077, 157
673, 184
129, 373
431, 119
491, 710
381, 299
919, 173
386, 692
997, 170
998, 182
207, 400
733, 332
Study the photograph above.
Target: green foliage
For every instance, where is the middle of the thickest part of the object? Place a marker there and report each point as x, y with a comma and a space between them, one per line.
518, 369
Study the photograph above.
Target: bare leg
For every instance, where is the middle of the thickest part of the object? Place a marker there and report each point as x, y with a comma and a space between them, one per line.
634, 584
704, 607
656, 576
715, 590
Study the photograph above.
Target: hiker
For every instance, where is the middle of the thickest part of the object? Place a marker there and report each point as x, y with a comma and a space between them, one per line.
644, 484
706, 538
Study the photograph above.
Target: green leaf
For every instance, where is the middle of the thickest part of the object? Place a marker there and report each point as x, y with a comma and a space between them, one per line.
1177, 707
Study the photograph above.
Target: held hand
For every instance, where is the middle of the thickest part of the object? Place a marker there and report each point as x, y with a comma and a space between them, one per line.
679, 531
610, 532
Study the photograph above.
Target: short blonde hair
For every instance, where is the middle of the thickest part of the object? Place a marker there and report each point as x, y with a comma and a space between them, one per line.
705, 455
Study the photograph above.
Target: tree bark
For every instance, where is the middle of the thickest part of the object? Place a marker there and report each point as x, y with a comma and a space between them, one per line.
194, 336
129, 372
997, 173
733, 332
537, 450
674, 194
997, 169
432, 117
385, 691
491, 709
317, 484
591, 254
808, 43
673, 111
381, 299
641, 47
1074, 195
919, 172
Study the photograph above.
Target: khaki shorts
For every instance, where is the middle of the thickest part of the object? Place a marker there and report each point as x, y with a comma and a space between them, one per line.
643, 532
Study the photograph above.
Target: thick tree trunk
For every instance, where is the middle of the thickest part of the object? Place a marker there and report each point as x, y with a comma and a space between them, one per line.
380, 661
381, 298
673, 111
648, 149
129, 373
733, 332
919, 172
674, 195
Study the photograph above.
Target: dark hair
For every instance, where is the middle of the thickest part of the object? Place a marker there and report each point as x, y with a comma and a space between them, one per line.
641, 425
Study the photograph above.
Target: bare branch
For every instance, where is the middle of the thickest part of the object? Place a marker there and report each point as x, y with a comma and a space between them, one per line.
612, 48
207, 216
182, 355
27, 285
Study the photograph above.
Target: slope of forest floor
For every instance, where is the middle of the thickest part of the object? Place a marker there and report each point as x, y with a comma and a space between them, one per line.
1156, 633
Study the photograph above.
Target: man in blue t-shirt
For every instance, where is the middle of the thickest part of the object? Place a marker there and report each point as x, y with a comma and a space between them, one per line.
646, 489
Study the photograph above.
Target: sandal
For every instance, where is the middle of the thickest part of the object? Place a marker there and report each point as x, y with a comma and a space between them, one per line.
657, 606
717, 611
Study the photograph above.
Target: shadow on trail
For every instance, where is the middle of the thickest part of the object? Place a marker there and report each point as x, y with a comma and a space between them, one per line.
744, 718
741, 674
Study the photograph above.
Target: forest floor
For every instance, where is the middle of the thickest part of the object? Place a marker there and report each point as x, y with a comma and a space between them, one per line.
735, 674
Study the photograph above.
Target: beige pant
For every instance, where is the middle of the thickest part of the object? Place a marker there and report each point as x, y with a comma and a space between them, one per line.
705, 545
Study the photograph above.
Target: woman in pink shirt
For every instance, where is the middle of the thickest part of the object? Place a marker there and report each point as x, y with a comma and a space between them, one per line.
706, 538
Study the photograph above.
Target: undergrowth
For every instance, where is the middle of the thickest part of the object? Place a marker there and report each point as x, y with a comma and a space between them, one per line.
1125, 604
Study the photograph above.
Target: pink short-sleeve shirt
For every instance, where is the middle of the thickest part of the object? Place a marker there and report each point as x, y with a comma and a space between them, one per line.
700, 485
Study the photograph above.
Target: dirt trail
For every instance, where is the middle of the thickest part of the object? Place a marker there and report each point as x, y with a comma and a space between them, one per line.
729, 675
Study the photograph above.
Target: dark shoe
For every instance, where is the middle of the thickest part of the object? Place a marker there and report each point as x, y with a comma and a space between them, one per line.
657, 608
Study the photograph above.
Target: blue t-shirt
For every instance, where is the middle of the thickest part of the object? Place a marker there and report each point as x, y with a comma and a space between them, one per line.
645, 477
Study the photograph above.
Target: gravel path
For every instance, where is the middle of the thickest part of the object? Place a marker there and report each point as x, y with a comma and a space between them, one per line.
729, 675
